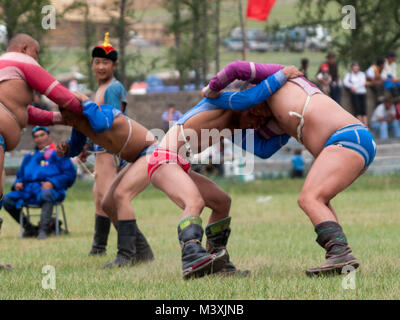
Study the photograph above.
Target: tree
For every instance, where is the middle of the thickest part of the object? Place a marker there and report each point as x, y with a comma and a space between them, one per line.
190, 25
122, 23
217, 35
90, 37
23, 16
377, 27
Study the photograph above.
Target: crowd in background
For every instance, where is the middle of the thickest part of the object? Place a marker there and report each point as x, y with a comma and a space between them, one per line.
381, 78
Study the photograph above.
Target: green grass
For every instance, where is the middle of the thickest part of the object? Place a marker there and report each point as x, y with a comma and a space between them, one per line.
274, 239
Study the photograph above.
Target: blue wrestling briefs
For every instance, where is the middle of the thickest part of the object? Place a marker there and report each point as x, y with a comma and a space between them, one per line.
356, 137
2, 143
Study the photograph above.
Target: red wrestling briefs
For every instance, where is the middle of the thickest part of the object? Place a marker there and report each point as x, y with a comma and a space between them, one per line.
163, 156
19, 66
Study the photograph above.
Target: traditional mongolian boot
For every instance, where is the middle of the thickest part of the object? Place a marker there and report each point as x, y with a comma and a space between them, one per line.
126, 255
196, 262
101, 231
143, 249
217, 237
330, 236
45, 219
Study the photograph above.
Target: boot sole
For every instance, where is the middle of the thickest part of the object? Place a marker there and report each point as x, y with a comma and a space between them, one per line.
236, 273
209, 266
334, 269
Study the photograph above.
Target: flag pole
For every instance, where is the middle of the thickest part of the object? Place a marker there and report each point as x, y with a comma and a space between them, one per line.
243, 28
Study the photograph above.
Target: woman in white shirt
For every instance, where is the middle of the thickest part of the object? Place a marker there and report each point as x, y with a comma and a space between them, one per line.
355, 82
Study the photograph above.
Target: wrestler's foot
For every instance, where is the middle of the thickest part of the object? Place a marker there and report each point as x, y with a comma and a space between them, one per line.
217, 238
209, 264
338, 254
120, 261
126, 255
101, 231
97, 252
143, 249
334, 265
5, 267
196, 262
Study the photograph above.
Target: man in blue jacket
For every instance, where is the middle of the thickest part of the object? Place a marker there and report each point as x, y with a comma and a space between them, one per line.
42, 179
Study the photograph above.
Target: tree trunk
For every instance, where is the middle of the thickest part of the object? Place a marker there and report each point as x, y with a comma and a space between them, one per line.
217, 35
204, 38
122, 42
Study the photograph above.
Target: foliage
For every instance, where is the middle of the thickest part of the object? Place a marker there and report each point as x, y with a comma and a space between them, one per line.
24, 16
376, 32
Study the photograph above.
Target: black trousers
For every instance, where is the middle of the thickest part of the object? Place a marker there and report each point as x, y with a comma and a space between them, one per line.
359, 104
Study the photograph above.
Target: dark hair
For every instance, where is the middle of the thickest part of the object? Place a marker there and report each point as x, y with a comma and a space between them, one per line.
380, 61
38, 128
330, 55
304, 62
391, 54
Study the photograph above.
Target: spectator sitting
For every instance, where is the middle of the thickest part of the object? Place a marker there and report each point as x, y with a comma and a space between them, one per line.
374, 77
384, 117
324, 79
42, 179
354, 81
170, 116
389, 75
298, 165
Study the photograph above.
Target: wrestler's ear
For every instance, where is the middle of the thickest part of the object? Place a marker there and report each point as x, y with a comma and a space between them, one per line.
24, 48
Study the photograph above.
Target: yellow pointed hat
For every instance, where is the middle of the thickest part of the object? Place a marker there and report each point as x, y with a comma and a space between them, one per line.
106, 50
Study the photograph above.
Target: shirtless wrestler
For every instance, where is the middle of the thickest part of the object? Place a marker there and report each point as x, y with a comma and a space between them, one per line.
342, 146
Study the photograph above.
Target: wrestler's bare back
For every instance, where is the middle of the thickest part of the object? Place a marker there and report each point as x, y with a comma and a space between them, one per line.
16, 95
323, 115
206, 120
113, 140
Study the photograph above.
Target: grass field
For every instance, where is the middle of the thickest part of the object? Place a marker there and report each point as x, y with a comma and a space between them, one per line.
274, 239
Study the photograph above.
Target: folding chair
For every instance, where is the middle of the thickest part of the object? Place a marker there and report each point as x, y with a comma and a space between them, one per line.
56, 212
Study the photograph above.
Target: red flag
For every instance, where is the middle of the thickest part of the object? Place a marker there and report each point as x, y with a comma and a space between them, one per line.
259, 9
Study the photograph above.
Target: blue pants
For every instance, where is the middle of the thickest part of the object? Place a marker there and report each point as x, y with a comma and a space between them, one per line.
13, 206
383, 128
356, 137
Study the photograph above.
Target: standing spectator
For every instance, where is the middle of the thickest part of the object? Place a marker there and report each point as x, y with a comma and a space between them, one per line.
324, 79
389, 74
297, 165
304, 67
384, 117
355, 82
335, 90
170, 116
42, 179
374, 78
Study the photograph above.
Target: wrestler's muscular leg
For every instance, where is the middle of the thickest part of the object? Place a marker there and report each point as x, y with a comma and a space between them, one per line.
182, 190
333, 171
108, 203
218, 229
3, 175
215, 198
105, 175
132, 244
